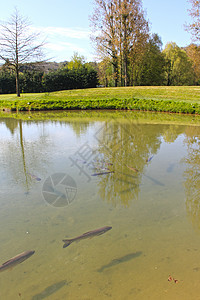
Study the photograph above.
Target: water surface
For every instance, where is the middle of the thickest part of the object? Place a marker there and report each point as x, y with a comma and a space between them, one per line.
151, 199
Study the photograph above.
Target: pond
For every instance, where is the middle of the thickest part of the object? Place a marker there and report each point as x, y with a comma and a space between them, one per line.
63, 174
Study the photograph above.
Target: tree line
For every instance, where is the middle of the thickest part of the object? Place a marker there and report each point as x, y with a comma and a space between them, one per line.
128, 54
72, 75
173, 66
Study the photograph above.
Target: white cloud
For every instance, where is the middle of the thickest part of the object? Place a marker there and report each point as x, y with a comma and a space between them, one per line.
75, 33
62, 42
60, 46
55, 47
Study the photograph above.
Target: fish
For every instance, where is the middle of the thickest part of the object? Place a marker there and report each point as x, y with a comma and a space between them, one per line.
12, 262
34, 177
133, 169
149, 159
86, 235
102, 173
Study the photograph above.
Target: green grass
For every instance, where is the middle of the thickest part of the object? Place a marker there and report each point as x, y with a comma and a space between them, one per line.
184, 99
182, 93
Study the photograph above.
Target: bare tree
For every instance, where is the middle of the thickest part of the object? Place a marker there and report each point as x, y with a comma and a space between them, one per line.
18, 44
194, 12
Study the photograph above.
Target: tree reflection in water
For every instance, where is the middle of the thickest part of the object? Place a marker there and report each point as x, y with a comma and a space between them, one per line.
24, 155
129, 144
120, 142
192, 175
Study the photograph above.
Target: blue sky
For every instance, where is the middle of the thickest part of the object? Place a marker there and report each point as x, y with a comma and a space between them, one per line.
65, 23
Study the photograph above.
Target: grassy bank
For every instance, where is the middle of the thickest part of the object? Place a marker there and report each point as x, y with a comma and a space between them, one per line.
169, 99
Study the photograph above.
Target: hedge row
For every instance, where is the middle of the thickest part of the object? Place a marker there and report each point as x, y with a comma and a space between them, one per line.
131, 104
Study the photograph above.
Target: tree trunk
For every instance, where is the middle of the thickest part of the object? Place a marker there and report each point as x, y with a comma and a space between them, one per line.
115, 74
115, 68
125, 71
125, 46
17, 82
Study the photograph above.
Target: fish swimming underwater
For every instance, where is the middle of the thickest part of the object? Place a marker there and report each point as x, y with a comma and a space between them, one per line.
102, 173
86, 235
16, 260
149, 159
133, 169
34, 177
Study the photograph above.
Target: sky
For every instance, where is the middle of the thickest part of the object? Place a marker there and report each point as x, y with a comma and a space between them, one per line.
65, 23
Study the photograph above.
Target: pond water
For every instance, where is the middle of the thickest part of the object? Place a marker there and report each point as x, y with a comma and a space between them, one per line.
64, 174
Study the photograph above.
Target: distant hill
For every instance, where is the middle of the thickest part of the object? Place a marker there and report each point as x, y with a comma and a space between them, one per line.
43, 66
37, 66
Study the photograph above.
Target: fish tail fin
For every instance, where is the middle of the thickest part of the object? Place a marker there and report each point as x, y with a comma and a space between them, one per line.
66, 243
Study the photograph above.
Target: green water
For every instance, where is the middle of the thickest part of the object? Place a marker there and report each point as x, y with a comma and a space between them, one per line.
154, 213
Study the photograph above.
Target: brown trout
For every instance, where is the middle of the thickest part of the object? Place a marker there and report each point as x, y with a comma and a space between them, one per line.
16, 260
86, 235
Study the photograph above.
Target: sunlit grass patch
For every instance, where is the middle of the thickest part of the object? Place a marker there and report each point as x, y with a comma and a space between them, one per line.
160, 98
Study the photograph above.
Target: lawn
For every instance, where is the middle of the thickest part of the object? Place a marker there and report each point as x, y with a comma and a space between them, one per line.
180, 93
140, 98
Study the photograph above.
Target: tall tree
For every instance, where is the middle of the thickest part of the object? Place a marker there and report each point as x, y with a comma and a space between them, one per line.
133, 32
18, 44
179, 69
105, 72
119, 26
193, 52
194, 12
103, 21
151, 70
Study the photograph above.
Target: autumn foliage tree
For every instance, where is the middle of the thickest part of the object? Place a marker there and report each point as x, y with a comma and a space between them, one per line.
193, 52
194, 12
119, 32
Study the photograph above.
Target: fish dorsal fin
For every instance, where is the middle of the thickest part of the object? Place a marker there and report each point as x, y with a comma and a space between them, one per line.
11, 259
6, 262
86, 233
